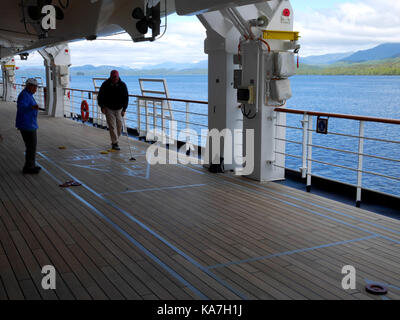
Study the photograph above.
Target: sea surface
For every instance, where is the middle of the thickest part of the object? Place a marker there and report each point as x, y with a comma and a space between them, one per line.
377, 96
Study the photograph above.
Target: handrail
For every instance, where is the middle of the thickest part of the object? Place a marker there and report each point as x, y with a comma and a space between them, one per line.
168, 99
340, 116
145, 97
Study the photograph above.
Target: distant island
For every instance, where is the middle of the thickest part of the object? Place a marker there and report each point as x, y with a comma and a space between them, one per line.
389, 67
380, 60
138, 72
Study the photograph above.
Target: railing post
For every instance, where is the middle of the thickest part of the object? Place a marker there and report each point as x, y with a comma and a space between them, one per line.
64, 104
309, 154
138, 116
187, 128
148, 129
163, 122
360, 163
93, 112
304, 123
72, 104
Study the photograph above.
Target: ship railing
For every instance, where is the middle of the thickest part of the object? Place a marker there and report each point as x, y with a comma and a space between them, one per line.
40, 95
320, 149
145, 114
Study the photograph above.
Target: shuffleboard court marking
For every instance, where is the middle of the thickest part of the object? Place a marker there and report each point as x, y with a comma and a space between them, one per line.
152, 232
132, 240
287, 253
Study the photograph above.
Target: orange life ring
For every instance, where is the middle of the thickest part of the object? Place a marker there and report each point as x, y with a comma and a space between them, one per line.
85, 111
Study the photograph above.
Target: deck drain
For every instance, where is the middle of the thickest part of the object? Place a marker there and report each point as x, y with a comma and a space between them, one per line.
376, 288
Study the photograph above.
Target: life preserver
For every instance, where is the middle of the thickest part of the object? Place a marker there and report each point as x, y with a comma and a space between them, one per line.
85, 111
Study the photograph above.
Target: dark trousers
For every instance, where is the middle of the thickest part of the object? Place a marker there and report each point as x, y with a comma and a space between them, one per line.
30, 139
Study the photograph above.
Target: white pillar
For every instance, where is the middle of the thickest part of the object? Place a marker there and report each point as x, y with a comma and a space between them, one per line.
49, 83
8, 71
223, 111
225, 29
57, 61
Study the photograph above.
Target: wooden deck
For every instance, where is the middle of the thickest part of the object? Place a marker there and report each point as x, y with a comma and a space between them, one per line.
135, 231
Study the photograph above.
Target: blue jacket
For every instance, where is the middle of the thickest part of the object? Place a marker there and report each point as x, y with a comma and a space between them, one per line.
26, 116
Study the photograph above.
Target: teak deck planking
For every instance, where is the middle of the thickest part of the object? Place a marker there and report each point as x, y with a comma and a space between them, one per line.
173, 232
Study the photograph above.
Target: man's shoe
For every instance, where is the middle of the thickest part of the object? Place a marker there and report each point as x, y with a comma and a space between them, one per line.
34, 170
116, 147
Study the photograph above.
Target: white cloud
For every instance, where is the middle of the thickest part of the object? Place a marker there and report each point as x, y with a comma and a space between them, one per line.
349, 26
182, 43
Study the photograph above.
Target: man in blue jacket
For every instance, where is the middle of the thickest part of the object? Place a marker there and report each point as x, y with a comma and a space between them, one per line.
26, 123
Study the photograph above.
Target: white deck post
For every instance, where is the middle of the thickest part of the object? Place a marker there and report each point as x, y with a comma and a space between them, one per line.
360, 163
57, 60
139, 124
8, 71
309, 152
304, 123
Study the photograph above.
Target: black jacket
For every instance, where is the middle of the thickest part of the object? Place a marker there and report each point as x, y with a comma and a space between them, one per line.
114, 97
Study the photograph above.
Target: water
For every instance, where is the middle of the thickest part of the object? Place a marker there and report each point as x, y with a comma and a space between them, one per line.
377, 96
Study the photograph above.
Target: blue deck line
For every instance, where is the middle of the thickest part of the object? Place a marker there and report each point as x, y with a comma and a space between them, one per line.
325, 208
133, 241
189, 168
287, 253
158, 189
145, 227
317, 213
309, 203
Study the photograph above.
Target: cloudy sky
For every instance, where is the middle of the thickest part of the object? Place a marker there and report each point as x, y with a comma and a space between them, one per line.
326, 26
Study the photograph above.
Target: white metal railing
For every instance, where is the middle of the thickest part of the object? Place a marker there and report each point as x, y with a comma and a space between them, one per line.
145, 114
311, 142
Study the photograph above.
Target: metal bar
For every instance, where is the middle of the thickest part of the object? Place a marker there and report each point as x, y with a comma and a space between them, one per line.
139, 123
163, 122
360, 164
168, 99
146, 112
381, 158
289, 127
381, 175
289, 155
333, 149
154, 91
290, 141
303, 169
333, 165
340, 116
309, 154
365, 138
155, 124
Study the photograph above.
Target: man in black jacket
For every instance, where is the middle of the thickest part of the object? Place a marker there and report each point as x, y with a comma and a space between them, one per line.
113, 100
